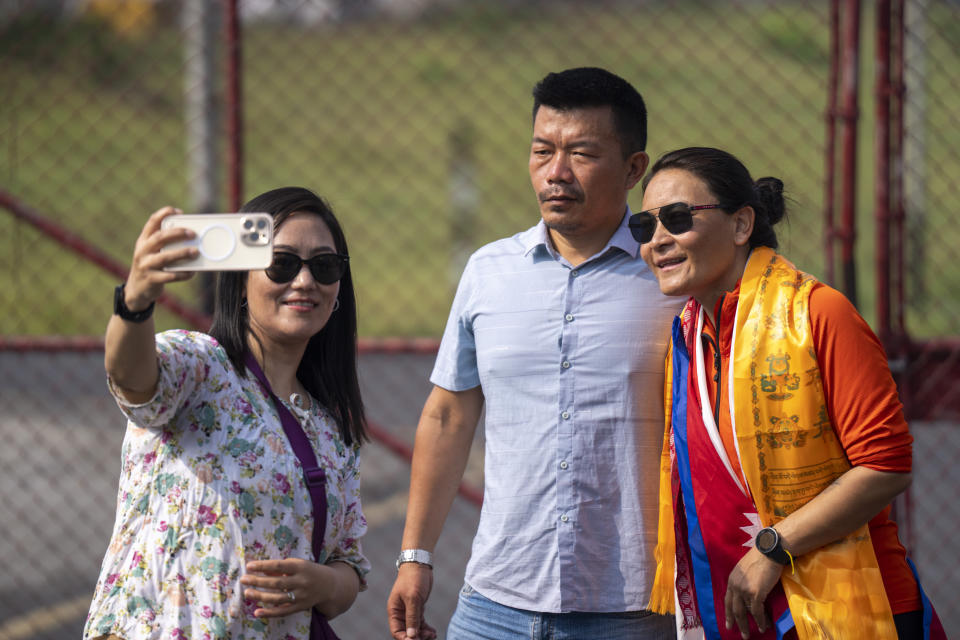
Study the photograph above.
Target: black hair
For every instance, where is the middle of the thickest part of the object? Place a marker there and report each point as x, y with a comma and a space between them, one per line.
328, 369
586, 87
728, 179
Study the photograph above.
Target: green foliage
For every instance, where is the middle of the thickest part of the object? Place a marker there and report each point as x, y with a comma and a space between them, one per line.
799, 37
85, 46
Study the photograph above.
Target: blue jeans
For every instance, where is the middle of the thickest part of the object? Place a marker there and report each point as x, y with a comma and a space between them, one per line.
479, 618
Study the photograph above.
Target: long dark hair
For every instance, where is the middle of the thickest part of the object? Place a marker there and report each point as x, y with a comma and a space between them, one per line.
729, 180
328, 368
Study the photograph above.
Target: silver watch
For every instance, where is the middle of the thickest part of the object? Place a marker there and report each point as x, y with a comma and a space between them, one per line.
420, 556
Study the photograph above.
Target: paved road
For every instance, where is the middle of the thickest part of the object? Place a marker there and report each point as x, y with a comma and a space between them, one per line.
59, 464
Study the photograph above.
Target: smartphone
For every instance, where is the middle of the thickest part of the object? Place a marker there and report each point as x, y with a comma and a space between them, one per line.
226, 241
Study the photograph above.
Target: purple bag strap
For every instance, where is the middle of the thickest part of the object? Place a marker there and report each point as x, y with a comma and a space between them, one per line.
315, 479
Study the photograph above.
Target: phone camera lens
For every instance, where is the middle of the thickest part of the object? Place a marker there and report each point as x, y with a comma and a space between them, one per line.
261, 224
248, 224
254, 236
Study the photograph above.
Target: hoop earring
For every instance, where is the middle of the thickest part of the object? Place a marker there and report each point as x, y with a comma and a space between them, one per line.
336, 304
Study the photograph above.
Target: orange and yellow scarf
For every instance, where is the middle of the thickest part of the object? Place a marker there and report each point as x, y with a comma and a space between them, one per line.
789, 453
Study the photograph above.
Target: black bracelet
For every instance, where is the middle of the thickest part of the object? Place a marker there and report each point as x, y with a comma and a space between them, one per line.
120, 307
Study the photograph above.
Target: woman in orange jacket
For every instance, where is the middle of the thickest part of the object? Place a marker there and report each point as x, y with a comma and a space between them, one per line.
786, 441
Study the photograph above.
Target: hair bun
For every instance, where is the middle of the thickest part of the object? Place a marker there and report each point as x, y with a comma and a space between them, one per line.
770, 193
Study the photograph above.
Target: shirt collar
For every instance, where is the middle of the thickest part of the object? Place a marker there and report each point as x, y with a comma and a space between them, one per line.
622, 239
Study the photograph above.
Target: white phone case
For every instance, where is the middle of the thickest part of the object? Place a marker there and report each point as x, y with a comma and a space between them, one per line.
227, 241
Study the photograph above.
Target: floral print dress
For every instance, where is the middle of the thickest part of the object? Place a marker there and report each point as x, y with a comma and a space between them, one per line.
208, 483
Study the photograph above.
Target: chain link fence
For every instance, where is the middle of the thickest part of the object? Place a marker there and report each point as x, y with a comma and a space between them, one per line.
412, 117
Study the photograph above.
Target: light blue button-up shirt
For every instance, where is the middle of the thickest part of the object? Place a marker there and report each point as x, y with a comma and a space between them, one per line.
570, 361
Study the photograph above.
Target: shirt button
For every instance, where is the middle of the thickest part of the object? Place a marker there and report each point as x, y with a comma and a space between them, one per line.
568, 317
574, 273
565, 365
564, 518
563, 464
565, 415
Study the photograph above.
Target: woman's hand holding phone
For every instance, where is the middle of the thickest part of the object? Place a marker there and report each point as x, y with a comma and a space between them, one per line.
148, 273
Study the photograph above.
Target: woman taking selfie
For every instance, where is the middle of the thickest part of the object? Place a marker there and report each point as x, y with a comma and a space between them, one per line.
786, 440
238, 512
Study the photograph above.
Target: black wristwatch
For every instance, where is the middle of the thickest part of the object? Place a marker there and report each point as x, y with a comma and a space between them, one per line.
120, 307
770, 544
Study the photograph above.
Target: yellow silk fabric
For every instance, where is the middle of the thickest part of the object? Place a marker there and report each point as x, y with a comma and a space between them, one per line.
661, 595
789, 453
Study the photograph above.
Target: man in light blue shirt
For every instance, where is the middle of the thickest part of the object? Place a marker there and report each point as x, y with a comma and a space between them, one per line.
561, 331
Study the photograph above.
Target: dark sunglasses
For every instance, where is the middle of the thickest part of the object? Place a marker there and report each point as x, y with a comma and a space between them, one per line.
325, 268
675, 218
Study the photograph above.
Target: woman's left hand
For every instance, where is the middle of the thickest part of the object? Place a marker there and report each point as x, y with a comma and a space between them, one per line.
750, 582
287, 586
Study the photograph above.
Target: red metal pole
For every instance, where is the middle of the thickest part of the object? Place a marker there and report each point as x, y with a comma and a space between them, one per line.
902, 505
830, 166
234, 107
848, 205
881, 181
899, 201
